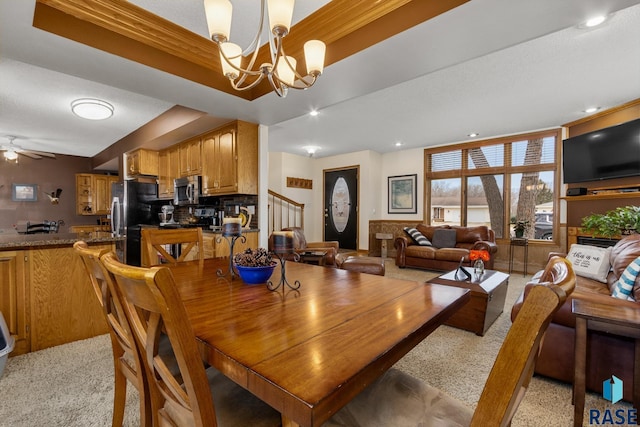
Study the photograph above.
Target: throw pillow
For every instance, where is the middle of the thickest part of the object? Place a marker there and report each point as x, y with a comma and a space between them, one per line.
623, 288
590, 261
417, 236
444, 238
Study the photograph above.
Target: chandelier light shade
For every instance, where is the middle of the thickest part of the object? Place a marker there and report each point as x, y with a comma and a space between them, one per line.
92, 109
281, 71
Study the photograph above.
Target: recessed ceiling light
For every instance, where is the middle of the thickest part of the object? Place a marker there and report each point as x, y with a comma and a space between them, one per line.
92, 109
595, 21
591, 110
473, 134
313, 113
398, 144
311, 149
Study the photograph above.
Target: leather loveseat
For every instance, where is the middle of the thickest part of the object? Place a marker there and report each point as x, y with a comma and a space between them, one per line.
410, 254
606, 354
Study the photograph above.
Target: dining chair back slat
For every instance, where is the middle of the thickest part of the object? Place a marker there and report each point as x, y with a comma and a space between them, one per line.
127, 361
153, 306
398, 399
156, 241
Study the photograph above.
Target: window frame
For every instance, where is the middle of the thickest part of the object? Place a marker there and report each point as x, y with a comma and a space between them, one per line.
506, 170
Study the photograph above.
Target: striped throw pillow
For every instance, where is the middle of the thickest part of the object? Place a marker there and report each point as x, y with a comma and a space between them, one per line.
623, 288
417, 236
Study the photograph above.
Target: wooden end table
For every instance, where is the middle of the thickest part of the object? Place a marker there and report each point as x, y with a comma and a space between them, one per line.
313, 257
488, 295
623, 321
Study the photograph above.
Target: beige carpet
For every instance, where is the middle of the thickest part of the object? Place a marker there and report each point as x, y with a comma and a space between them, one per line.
71, 385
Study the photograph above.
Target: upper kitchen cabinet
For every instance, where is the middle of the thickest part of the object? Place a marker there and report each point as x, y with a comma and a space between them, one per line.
190, 157
230, 160
93, 193
168, 170
142, 162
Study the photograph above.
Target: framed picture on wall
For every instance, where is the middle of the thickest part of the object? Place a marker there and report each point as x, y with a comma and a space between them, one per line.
402, 194
24, 193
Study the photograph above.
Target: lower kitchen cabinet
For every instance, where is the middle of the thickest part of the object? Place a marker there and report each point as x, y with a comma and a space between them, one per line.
14, 298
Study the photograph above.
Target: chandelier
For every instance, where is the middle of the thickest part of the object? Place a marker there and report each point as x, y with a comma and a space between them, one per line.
281, 71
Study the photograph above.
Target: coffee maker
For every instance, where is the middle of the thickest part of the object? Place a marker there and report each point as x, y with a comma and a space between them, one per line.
166, 215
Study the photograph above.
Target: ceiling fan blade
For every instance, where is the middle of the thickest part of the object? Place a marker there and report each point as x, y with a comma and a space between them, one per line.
29, 154
38, 153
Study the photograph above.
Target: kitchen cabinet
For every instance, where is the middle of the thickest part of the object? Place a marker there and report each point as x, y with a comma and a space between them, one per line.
190, 157
62, 310
142, 162
14, 298
230, 160
168, 170
222, 248
93, 193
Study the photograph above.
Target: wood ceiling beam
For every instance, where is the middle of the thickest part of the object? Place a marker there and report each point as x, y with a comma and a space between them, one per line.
126, 30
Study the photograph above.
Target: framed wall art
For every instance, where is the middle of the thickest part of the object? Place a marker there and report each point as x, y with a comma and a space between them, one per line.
402, 194
24, 193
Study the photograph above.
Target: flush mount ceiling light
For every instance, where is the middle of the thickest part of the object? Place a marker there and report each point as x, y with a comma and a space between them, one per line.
311, 149
92, 109
595, 21
281, 71
313, 113
473, 134
591, 110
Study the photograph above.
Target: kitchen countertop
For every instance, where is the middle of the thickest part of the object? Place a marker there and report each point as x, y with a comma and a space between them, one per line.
22, 241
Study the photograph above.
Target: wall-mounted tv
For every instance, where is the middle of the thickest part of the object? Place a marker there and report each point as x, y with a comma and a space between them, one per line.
613, 152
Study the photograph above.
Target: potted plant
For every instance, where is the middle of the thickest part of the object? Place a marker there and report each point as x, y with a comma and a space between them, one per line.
520, 227
254, 265
619, 221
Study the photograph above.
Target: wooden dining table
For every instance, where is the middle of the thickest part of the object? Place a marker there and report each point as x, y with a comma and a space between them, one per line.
308, 352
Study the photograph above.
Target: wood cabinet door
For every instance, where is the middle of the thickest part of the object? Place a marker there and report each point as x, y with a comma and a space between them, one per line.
163, 174
209, 165
222, 248
190, 157
133, 163
101, 191
227, 162
14, 298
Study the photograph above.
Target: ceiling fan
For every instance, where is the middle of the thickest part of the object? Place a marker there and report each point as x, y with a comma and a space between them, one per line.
12, 150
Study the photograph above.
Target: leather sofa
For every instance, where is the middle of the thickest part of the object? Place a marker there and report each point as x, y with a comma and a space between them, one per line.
410, 254
606, 354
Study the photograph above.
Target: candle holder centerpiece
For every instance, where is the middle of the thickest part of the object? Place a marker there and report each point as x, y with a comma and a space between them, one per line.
231, 231
282, 248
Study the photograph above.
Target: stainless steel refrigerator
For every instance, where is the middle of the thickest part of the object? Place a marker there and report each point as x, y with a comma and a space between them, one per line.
132, 208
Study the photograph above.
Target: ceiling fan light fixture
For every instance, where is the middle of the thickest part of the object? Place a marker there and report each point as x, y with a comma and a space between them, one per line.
92, 109
10, 155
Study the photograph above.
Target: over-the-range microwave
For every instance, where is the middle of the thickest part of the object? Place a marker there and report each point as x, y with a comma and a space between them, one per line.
187, 190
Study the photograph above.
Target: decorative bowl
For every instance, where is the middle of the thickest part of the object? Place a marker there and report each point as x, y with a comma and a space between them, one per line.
255, 275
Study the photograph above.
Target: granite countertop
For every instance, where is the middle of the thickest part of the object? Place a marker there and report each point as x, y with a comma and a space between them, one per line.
219, 230
19, 241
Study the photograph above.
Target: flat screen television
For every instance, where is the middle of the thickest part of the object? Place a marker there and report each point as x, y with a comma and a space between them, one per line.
613, 152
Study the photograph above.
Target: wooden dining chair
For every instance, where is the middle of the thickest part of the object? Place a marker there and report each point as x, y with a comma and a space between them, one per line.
197, 397
155, 242
398, 399
127, 362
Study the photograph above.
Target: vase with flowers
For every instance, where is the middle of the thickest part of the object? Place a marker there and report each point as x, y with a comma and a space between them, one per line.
479, 257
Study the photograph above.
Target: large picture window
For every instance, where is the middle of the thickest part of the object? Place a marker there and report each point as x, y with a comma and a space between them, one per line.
495, 183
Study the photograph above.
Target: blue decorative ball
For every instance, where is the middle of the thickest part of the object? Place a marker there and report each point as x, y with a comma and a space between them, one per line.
255, 275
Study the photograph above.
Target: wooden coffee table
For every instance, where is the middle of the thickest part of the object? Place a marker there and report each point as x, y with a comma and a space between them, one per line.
487, 299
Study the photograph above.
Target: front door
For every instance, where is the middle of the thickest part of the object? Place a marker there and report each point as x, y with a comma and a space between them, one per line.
341, 207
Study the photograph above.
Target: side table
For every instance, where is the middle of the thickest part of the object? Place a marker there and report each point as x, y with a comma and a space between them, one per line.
313, 257
622, 321
519, 241
383, 245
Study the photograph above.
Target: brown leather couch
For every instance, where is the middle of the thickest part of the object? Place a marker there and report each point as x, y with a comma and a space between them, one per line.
409, 254
606, 354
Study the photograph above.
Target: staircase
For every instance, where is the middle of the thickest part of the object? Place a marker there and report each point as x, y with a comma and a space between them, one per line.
284, 212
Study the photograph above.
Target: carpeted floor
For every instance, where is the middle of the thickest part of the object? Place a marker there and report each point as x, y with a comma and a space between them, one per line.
71, 385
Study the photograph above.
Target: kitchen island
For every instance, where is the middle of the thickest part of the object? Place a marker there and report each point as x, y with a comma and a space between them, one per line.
45, 294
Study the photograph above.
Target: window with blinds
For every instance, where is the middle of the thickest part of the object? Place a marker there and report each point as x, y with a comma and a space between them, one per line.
505, 180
